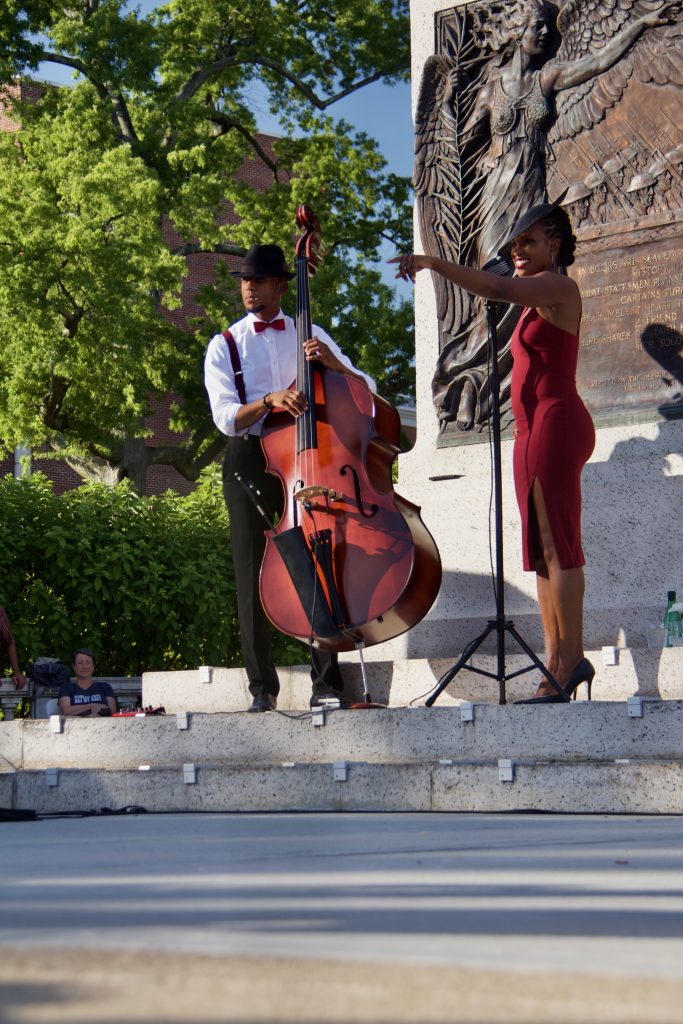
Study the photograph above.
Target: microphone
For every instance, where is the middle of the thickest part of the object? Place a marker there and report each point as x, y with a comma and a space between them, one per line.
501, 266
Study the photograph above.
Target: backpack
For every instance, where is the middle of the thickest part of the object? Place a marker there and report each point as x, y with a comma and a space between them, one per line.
49, 672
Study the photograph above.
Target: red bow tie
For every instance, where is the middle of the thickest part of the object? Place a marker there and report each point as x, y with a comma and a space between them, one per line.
260, 325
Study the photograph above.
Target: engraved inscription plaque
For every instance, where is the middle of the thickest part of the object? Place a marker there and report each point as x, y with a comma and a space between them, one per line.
631, 354
627, 209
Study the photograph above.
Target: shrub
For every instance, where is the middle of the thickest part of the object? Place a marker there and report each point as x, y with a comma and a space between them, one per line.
146, 582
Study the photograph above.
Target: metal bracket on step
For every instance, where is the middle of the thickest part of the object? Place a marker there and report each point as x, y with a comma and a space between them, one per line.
181, 719
340, 771
467, 711
635, 705
56, 723
52, 776
318, 717
506, 770
189, 774
326, 704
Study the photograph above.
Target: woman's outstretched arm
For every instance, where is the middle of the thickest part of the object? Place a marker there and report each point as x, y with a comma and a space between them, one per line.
544, 289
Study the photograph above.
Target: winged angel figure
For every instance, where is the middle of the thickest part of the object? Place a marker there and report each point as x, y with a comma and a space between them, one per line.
510, 79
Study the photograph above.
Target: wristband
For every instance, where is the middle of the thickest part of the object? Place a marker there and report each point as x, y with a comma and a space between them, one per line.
266, 402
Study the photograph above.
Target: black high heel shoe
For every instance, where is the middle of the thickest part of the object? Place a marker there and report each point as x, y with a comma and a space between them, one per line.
582, 673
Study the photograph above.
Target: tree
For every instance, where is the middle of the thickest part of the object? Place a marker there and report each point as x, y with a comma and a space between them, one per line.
155, 133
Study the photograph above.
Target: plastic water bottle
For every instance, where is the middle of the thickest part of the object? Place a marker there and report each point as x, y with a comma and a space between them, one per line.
671, 622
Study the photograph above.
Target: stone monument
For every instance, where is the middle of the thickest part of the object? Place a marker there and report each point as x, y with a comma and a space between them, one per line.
516, 102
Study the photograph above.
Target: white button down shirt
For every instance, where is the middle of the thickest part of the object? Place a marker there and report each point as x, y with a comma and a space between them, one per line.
268, 364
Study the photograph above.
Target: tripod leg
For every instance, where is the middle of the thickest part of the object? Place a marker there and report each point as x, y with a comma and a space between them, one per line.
465, 657
537, 661
366, 689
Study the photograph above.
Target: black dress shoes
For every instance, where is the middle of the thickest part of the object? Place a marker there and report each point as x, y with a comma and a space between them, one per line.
263, 702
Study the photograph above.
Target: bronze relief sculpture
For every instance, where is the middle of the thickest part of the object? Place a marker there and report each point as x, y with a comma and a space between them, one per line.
510, 85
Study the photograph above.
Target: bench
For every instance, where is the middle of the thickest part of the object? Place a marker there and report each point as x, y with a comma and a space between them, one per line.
127, 690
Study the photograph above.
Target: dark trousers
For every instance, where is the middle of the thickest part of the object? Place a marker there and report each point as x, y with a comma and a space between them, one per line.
244, 455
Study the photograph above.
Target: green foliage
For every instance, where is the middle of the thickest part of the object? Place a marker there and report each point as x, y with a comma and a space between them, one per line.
146, 582
22, 709
155, 131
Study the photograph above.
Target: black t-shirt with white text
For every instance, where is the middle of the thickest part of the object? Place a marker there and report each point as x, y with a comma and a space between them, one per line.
96, 693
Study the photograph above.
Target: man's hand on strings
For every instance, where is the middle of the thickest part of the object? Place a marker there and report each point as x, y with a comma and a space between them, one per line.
292, 401
317, 351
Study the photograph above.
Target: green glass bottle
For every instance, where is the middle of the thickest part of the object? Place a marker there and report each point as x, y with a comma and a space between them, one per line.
673, 633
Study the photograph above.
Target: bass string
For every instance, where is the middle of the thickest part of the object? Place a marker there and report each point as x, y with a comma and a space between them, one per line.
299, 433
304, 454
303, 459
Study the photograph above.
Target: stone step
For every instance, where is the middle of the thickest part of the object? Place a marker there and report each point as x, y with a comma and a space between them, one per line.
627, 787
652, 672
604, 757
639, 728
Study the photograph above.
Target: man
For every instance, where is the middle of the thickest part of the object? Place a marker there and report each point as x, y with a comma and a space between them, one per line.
85, 698
7, 641
243, 386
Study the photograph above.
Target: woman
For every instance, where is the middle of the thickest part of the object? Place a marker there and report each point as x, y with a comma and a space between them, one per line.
86, 697
554, 432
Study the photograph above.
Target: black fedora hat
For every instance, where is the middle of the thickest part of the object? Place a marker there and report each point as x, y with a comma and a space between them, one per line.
527, 219
264, 261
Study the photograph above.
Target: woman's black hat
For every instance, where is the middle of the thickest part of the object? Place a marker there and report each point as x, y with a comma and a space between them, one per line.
526, 221
264, 261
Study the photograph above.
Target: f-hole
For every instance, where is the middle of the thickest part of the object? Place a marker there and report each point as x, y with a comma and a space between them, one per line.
359, 497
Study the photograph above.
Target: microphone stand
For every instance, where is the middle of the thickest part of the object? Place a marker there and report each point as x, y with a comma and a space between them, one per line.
500, 625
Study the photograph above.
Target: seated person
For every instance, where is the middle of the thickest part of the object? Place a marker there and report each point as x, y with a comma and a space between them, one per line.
85, 698
7, 641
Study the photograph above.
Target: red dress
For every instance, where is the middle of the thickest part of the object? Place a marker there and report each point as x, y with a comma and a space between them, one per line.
555, 435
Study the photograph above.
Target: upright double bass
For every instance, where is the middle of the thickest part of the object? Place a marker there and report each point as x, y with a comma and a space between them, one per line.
350, 563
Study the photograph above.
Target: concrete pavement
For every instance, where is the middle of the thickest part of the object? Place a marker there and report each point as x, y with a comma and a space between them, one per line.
342, 918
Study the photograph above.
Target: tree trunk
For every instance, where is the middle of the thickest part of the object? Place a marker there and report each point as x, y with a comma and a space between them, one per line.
134, 462
92, 469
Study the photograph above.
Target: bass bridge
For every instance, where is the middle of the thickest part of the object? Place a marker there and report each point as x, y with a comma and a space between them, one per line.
305, 495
